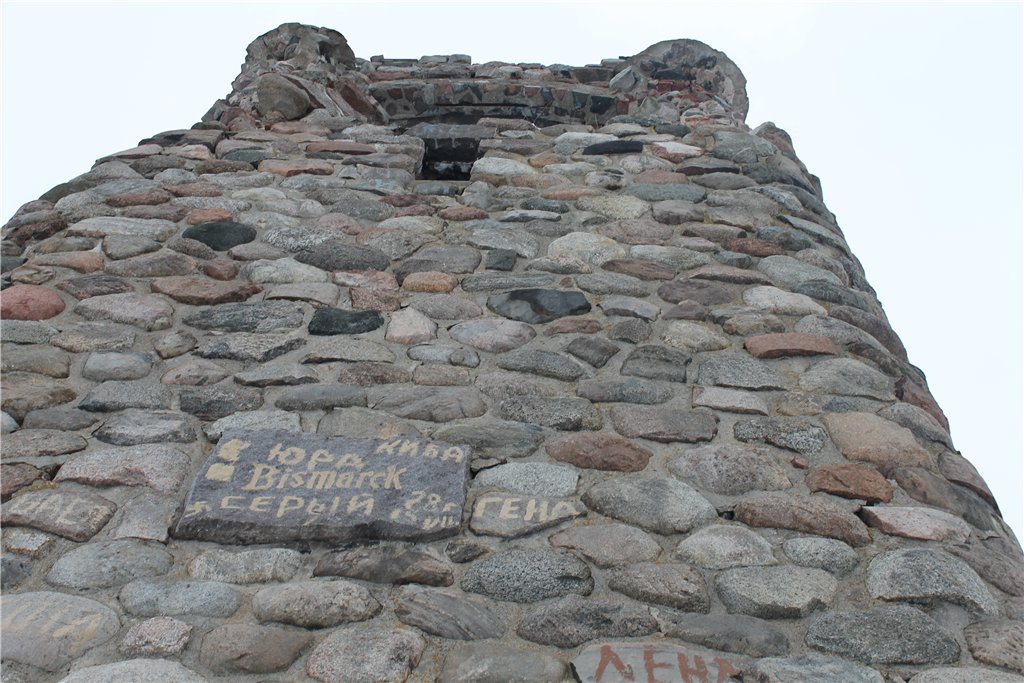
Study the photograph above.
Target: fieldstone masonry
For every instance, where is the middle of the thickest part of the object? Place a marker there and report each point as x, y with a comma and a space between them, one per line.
424, 369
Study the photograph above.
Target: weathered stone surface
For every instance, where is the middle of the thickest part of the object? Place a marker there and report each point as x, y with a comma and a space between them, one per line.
198, 291
729, 632
511, 516
40, 443
847, 377
775, 592
929, 488
25, 392
314, 604
795, 435
625, 391
108, 563
82, 337
533, 478
656, 362
134, 427
999, 569
723, 546
571, 621
538, 306
528, 575
813, 667
789, 344
362, 655
167, 597
666, 425
435, 404
251, 649
49, 630
260, 316
221, 235
135, 670
332, 255
156, 637
248, 347
693, 337
593, 350
674, 585
729, 400
391, 563
77, 515
822, 553
543, 363
495, 336
651, 502
894, 634
739, 371
608, 545
606, 662
730, 470
112, 396
447, 613
950, 674
927, 575
567, 414
248, 566
497, 663
999, 642
246, 464
494, 438
600, 451
810, 514
869, 438
850, 481
104, 366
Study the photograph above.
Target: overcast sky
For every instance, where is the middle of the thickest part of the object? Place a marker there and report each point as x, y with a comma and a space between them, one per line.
910, 114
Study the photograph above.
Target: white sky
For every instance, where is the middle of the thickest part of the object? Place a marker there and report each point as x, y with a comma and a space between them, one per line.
911, 114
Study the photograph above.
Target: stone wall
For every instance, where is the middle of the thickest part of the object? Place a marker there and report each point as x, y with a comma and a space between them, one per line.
431, 370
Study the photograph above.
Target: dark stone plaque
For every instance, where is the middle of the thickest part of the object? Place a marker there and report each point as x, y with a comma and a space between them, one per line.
271, 486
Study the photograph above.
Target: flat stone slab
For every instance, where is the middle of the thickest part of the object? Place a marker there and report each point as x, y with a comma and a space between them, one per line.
48, 630
271, 486
650, 661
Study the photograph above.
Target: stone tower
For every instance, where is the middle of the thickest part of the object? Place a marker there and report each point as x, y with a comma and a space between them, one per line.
422, 369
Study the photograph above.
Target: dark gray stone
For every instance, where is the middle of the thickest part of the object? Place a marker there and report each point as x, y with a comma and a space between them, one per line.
511, 515
664, 424
624, 391
793, 434
538, 305
221, 235
567, 414
729, 632
737, 370
331, 489
651, 502
14, 571
572, 621
894, 634
114, 396
528, 575
167, 597
543, 363
61, 418
220, 400
390, 563
248, 347
659, 193
656, 362
259, 316
330, 321
699, 291
447, 613
332, 255
593, 349
494, 439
